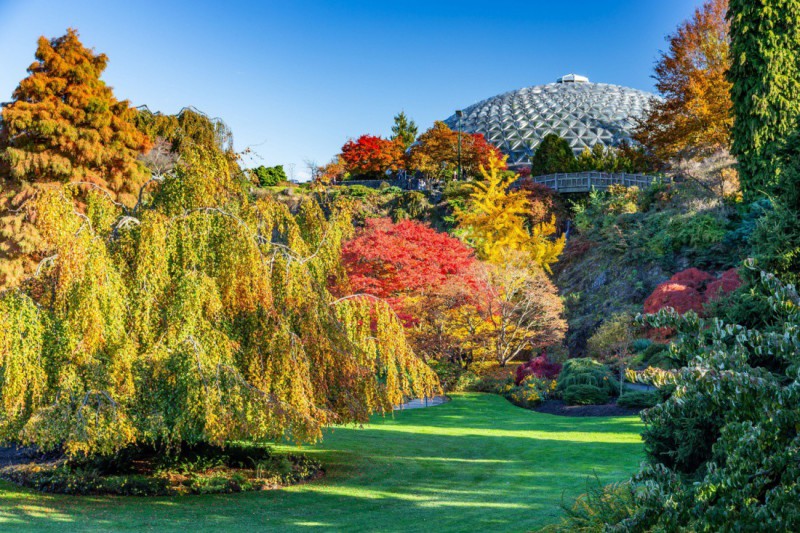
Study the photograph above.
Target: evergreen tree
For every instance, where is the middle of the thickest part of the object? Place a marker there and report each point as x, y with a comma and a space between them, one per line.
553, 154
765, 77
404, 129
64, 123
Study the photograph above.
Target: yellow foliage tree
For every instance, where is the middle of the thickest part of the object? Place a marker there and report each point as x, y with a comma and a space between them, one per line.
497, 220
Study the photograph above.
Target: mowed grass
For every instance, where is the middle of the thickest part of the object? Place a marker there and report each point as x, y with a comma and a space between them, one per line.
476, 463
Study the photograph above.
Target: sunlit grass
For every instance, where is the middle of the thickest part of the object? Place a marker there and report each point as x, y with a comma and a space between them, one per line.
476, 463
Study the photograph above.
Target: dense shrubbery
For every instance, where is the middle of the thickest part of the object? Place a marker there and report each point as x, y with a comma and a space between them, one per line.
639, 399
540, 367
147, 471
585, 395
584, 371
722, 449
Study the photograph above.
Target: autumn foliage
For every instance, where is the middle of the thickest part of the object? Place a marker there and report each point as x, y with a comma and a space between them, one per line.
63, 125
539, 366
690, 290
694, 118
436, 153
391, 260
372, 156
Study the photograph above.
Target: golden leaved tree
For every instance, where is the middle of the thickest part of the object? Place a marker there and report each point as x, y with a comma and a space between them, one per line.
496, 220
201, 316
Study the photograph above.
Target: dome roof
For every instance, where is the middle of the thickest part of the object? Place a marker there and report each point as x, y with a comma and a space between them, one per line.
581, 112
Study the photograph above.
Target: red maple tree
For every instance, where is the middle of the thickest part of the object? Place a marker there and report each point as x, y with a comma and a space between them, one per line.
371, 156
392, 261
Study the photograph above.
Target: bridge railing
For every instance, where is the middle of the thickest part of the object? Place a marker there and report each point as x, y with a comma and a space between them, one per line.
586, 181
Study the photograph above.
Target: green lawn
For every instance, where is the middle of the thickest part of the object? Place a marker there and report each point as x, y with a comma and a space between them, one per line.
476, 463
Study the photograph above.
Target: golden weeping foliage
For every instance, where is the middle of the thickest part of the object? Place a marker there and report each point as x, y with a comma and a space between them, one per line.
496, 220
198, 315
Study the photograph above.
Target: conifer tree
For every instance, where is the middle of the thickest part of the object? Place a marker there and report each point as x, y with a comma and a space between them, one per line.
404, 129
765, 78
64, 123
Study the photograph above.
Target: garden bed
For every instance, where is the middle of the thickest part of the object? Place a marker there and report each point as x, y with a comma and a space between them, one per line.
558, 407
200, 469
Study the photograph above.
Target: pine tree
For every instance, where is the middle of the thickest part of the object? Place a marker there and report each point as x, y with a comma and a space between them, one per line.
404, 129
765, 78
64, 123
553, 154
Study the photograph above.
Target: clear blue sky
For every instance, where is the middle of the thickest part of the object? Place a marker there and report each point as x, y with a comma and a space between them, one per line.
294, 80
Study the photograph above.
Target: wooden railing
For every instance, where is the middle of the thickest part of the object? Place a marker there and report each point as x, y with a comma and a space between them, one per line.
586, 181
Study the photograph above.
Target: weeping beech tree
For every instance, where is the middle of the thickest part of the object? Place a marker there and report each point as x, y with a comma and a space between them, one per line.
197, 315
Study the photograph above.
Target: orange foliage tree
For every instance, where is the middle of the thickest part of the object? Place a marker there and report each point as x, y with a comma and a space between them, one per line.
695, 116
436, 153
63, 125
372, 156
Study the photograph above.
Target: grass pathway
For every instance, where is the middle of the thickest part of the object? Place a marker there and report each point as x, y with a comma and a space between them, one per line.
475, 463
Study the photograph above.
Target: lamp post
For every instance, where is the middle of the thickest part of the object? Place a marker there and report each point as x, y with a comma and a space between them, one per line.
459, 114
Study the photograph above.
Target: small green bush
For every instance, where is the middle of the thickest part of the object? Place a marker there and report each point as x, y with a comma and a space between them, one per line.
586, 371
640, 345
585, 395
639, 399
359, 191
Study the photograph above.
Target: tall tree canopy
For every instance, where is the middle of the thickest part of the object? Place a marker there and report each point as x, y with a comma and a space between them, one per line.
496, 220
765, 90
404, 130
204, 317
436, 153
371, 156
553, 155
64, 123
694, 117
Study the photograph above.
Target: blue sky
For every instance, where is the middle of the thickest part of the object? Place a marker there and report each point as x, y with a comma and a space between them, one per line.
294, 80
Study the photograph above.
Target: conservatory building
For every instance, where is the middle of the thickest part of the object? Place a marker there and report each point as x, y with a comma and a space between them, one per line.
573, 108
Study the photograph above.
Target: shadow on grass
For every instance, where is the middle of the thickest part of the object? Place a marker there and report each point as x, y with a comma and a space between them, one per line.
476, 463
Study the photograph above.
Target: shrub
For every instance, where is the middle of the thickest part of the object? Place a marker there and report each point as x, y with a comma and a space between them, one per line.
359, 191
532, 392
540, 367
640, 345
585, 395
585, 371
600, 505
639, 399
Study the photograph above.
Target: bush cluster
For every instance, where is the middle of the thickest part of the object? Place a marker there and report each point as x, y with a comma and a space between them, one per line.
144, 471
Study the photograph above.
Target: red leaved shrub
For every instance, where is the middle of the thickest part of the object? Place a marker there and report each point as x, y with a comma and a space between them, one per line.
692, 277
689, 290
541, 367
728, 282
679, 296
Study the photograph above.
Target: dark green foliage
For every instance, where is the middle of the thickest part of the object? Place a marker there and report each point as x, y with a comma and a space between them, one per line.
359, 191
585, 395
600, 505
722, 449
553, 155
640, 345
585, 371
639, 399
765, 73
410, 205
269, 176
404, 129
147, 471
776, 237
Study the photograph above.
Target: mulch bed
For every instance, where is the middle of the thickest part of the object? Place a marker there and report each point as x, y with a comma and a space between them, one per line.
557, 407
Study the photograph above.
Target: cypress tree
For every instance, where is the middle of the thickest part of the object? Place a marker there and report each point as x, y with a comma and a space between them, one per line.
765, 77
64, 123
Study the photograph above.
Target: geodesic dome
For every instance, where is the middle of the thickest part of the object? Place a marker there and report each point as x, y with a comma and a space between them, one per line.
581, 112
